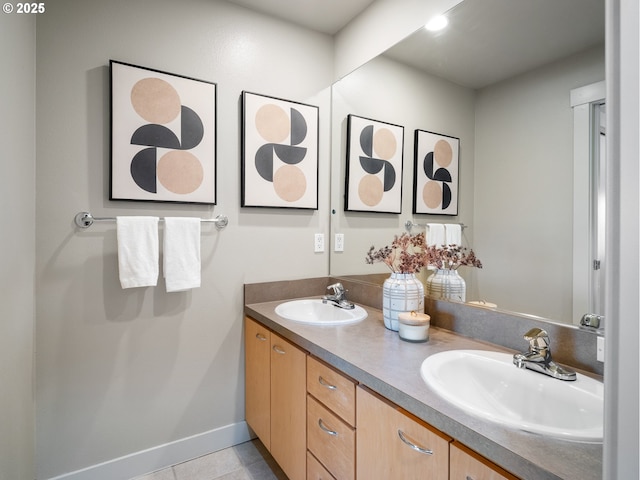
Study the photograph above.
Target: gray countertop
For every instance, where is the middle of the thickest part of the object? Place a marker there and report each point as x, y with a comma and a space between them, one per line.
378, 358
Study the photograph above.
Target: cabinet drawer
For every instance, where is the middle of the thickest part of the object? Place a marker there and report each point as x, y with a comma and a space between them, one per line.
330, 440
315, 470
333, 389
468, 465
394, 444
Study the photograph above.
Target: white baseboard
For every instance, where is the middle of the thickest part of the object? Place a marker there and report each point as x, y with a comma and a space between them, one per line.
162, 456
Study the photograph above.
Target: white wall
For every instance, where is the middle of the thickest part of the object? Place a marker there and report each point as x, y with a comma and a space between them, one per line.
523, 191
17, 239
120, 371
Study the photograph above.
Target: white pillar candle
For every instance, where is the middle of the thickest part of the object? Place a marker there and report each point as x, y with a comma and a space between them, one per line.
414, 326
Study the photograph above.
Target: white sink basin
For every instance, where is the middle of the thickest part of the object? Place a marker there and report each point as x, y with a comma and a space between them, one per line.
314, 312
489, 386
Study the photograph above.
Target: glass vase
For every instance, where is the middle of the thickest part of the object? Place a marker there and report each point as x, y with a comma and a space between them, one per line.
401, 292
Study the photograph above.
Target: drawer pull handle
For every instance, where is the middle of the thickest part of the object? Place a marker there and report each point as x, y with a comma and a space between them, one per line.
326, 429
261, 337
324, 383
469, 478
413, 445
279, 350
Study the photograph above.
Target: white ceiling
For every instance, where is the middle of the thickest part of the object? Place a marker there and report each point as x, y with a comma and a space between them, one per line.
326, 16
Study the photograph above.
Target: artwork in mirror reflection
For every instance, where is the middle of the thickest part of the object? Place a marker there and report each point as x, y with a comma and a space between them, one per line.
516, 150
374, 166
435, 181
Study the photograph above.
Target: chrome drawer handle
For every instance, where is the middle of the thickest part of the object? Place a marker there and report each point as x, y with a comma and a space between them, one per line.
326, 429
469, 478
279, 350
413, 445
261, 337
323, 382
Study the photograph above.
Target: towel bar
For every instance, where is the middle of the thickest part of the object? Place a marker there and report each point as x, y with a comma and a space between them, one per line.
85, 220
409, 225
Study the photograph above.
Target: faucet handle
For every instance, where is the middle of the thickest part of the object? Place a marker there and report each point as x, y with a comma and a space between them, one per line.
337, 288
538, 339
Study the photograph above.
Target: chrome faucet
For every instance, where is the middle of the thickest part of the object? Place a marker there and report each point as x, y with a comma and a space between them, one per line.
338, 298
538, 358
592, 321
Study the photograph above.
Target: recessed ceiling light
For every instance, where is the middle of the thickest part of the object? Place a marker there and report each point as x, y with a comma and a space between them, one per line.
437, 23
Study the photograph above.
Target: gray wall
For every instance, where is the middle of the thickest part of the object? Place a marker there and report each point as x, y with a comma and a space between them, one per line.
523, 189
392, 92
120, 371
17, 237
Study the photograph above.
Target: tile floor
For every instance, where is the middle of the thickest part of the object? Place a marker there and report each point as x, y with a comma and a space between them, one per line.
247, 461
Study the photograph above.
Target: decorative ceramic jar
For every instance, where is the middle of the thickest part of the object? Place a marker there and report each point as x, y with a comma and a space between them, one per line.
447, 284
401, 292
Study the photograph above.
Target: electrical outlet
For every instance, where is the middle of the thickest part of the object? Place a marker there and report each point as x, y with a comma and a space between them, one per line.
318, 242
339, 242
600, 349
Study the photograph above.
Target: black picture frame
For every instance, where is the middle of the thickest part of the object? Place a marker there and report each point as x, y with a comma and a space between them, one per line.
373, 178
280, 140
435, 173
163, 136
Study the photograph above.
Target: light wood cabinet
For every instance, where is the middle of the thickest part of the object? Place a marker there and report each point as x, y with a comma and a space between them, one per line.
257, 369
469, 465
331, 418
319, 425
394, 444
285, 368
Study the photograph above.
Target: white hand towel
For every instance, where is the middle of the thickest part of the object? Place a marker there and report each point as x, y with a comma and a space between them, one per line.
137, 251
181, 265
453, 233
435, 234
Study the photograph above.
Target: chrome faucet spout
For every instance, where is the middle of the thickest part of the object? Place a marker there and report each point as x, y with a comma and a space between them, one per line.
338, 298
538, 358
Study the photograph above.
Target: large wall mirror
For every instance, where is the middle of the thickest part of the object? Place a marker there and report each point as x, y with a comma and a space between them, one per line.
498, 78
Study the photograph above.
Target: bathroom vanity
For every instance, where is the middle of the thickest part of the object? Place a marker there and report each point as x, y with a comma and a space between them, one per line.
348, 402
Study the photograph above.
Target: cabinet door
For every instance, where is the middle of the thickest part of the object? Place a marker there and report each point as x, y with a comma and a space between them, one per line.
288, 407
257, 351
392, 444
468, 465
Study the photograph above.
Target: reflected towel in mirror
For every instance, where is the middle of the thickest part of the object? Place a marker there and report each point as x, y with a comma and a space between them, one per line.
453, 234
435, 234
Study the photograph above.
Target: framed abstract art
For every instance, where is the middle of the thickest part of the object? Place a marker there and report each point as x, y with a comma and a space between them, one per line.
373, 180
163, 136
279, 153
435, 181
